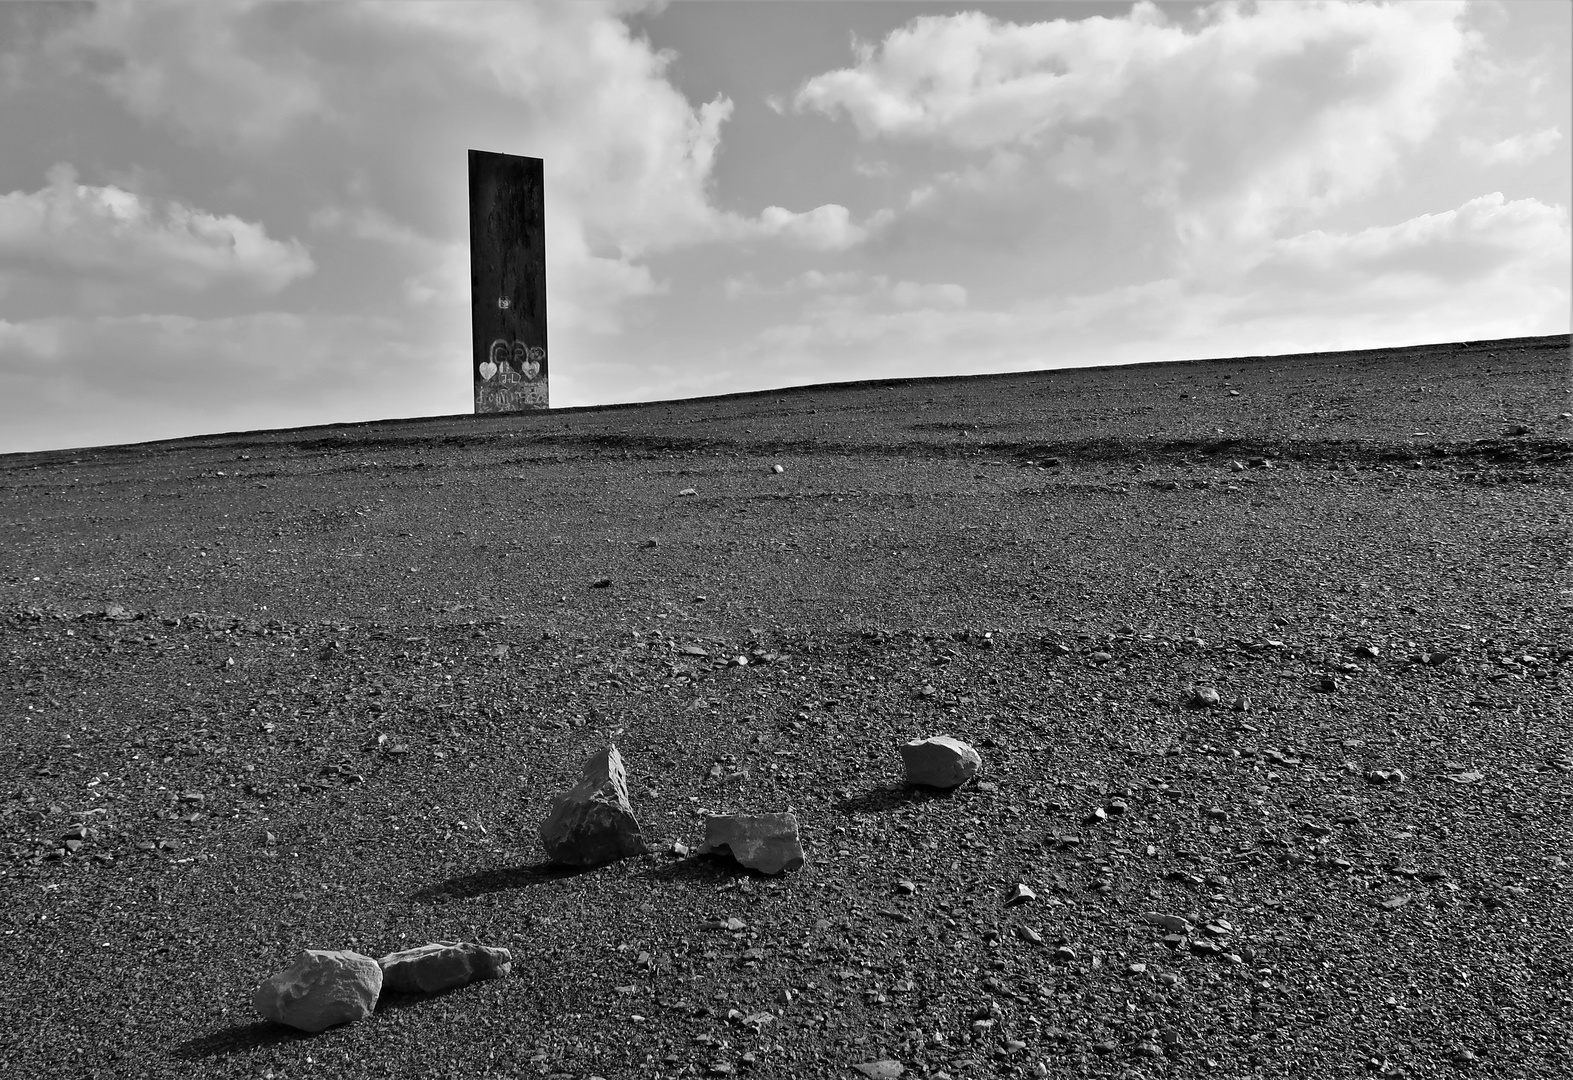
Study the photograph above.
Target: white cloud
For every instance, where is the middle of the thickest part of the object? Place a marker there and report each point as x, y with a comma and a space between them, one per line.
824, 228
1455, 247
1246, 118
1518, 149
1489, 268
233, 71
125, 378
107, 232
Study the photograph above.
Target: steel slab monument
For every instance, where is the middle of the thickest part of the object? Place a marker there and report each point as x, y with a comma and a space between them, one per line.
508, 282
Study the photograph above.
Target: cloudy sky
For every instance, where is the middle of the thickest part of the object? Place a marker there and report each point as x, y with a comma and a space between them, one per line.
222, 216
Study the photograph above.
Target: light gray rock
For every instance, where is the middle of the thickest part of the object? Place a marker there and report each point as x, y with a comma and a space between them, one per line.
941, 762
593, 823
442, 965
768, 843
320, 989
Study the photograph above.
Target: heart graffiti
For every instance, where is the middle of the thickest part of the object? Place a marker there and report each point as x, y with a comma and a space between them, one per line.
510, 357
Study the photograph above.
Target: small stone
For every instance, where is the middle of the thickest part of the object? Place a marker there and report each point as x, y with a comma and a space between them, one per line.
1370, 652
1029, 935
1202, 697
768, 843
1064, 954
601, 583
1101, 657
1137, 968
442, 965
1020, 895
1328, 685
321, 989
1393, 903
906, 888
941, 762
593, 823
688, 491
884, 1069
1385, 776
777, 469
1172, 923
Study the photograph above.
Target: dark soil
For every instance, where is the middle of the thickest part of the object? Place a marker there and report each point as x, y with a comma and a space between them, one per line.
315, 689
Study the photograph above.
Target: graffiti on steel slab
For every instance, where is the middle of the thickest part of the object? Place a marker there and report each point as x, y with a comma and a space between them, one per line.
510, 398
512, 362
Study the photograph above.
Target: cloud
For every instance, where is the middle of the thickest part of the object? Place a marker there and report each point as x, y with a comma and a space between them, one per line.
1241, 120
132, 377
1454, 248
234, 71
1518, 149
108, 233
1488, 268
824, 228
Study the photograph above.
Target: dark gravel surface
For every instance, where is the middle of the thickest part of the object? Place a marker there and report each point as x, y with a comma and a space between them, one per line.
315, 688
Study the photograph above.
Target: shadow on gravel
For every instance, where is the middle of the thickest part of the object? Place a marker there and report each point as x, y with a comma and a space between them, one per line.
700, 869
882, 800
236, 1039
490, 881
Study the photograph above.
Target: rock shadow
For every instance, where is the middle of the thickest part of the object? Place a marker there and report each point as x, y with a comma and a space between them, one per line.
700, 869
499, 879
890, 797
237, 1039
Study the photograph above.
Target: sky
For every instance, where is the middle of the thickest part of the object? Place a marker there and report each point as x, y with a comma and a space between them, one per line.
221, 216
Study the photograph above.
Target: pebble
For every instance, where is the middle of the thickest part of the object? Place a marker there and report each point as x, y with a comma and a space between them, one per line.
1385, 776
884, 1069
1020, 895
688, 491
1202, 697
1101, 657
778, 468
1064, 954
1173, 923
1029, 935
601, 583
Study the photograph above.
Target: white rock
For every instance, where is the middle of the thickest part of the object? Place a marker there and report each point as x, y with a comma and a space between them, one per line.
320, 989
442, 965
768, 843
941, 762
593, 822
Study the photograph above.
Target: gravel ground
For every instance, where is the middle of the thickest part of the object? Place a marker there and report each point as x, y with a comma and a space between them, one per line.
315, 689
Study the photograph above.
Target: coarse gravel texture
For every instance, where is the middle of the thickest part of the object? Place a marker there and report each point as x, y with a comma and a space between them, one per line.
316, 688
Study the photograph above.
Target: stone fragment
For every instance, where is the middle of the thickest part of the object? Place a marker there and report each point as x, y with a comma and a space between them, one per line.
1020, 895
442, 965
1172, 923
1385, 776
768, 843
941, 762
883, 1069
1202, 697
593, 823
320, 989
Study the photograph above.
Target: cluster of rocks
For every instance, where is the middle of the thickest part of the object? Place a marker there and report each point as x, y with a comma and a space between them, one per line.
324, 988
590, 824
593, 822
